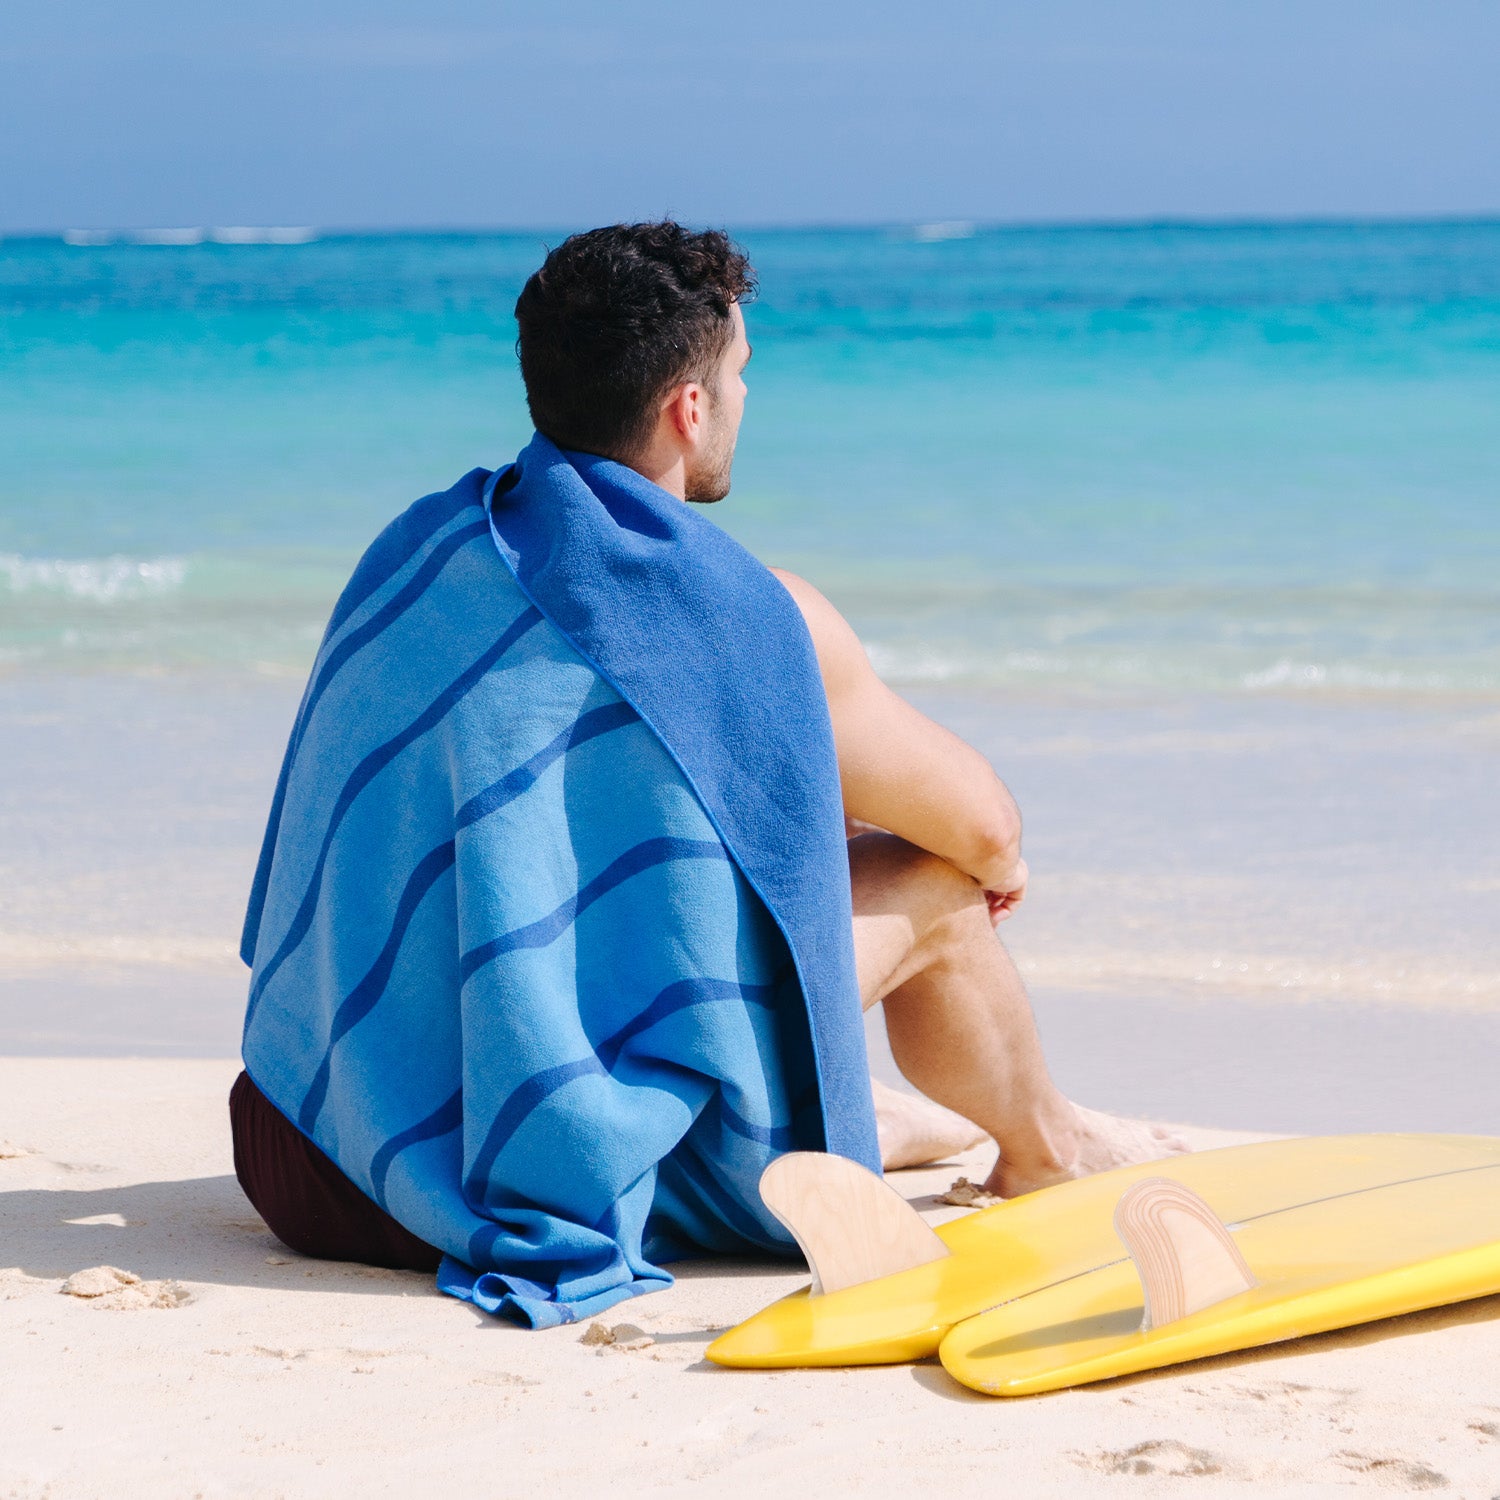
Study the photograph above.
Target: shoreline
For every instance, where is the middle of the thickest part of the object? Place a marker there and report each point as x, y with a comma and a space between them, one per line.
1293, 1067
1299, 899
1275, 847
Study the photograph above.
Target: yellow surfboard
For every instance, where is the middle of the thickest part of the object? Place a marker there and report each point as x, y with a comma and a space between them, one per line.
1024, 1264
1324, 1263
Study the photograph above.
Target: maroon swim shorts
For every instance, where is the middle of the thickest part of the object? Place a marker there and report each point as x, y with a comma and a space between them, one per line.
308, 1204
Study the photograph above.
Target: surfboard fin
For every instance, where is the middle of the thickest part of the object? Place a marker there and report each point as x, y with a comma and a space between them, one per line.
850, 1224
1185, 1256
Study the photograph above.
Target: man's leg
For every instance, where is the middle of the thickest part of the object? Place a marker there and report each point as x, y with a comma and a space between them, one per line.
961, 1028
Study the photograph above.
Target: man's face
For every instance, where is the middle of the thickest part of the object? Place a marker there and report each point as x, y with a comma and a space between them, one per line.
707, 477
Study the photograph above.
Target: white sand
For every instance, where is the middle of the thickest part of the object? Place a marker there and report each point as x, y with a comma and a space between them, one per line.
290, 1377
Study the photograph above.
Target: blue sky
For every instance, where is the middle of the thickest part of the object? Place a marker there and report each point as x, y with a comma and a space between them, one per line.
452, 112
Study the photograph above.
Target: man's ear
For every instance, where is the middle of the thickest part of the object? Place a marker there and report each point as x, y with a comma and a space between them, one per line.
685, 406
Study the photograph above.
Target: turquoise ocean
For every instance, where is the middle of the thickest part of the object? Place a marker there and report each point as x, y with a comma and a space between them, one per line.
1193, 530
1244, 459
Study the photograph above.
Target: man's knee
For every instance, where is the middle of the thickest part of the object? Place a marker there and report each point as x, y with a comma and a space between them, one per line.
931, 891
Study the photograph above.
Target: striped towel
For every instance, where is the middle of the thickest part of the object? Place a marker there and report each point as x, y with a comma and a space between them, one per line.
550, 937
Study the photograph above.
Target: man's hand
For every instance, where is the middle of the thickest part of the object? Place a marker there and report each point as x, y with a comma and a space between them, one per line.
1003, 902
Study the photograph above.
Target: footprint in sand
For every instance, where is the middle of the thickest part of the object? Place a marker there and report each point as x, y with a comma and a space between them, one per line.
343, 1357
506, 1379
1157, 1456
1398, 1472
123, 1291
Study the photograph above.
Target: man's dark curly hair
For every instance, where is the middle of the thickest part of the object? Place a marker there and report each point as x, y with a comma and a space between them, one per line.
615, 318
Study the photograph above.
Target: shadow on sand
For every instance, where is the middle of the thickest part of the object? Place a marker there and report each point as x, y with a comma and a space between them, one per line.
202, 1229
196, 1229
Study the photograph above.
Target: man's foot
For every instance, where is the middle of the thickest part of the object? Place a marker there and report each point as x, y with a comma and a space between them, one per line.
1102, 1141
914, 1131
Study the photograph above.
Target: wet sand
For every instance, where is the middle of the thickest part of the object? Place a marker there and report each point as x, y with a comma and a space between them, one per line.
1274, 914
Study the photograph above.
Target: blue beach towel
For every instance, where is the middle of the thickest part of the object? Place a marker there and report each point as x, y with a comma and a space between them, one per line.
550, 938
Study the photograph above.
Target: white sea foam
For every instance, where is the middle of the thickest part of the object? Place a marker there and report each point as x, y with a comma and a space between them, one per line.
225, 234
274, 234
1286, 674
1388, 978
104, 580
944, 229
176, 950
936, 663
188, 235
1207, 667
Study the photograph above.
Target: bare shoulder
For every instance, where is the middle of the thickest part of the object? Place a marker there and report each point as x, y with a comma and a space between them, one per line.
809, 600
840, 654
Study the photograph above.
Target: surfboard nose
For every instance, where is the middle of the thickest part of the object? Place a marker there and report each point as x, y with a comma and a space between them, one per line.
777, 1337
887, 1322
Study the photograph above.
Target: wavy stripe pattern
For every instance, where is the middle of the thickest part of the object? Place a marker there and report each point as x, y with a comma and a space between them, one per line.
506, 965
393, 551
682, 995
537, 934
363, 998
383, 619
363, 774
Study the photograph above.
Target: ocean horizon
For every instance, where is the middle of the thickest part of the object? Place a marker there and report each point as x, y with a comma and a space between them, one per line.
958, 227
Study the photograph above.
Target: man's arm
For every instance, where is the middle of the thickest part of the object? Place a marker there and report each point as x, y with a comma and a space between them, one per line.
906, 774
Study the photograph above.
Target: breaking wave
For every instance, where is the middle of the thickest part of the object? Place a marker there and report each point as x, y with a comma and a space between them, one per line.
103, 580
1150, 668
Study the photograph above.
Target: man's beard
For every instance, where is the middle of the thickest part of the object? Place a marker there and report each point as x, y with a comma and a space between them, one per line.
708, 480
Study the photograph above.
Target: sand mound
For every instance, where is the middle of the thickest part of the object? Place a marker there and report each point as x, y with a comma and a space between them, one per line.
966, 1194
109, 1286
621, 1336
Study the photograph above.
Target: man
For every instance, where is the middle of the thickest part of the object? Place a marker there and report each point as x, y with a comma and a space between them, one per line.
556, 937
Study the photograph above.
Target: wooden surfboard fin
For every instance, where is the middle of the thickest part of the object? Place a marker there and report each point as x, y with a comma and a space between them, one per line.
850, 1224
1185, 1256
